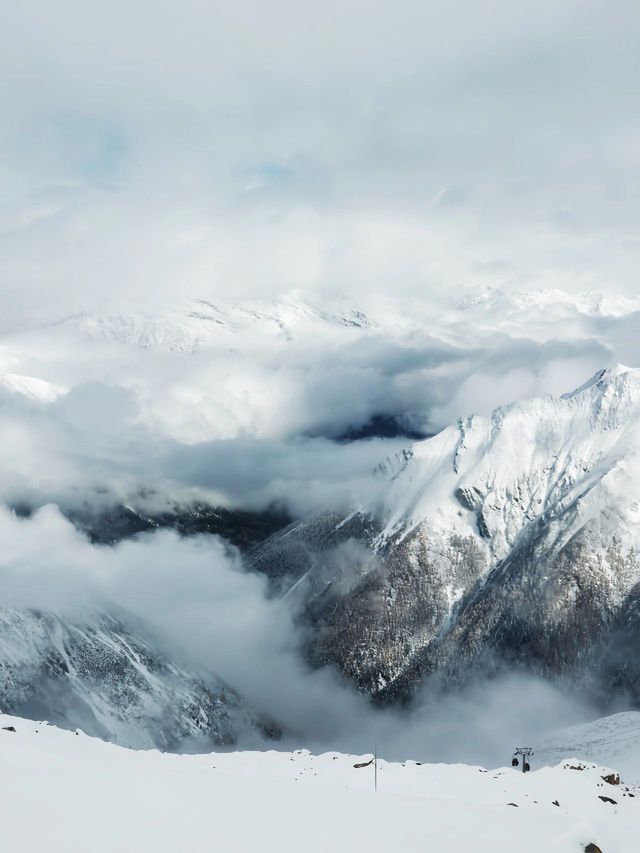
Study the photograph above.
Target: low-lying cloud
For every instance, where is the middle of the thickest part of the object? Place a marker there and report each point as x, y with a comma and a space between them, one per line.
255, 418
216, 618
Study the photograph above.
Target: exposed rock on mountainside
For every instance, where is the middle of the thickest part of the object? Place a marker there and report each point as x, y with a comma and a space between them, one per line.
112, 523
102, 673
510, 539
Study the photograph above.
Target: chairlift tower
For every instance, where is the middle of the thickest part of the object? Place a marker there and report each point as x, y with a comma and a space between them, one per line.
523, 752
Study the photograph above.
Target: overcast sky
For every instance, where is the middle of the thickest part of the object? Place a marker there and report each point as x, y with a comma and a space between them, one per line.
152, 149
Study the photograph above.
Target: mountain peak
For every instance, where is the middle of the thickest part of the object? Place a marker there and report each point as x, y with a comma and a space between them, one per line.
601, 377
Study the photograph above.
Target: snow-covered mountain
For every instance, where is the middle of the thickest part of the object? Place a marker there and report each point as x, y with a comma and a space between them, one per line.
281, 801
508, 539
201, 322
101, 670
590, 303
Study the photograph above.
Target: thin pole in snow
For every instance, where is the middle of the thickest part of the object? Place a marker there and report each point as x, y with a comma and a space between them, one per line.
375, 767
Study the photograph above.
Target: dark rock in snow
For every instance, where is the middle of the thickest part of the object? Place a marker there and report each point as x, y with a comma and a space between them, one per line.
111, 523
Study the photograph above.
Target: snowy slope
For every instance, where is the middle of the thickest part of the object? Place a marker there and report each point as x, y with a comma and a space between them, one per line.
611, 740
90, 795
30, 386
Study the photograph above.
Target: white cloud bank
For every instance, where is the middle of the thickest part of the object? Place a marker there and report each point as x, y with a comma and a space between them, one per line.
213, 616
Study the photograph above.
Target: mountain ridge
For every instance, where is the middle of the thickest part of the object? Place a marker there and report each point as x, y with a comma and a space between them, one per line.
489, 542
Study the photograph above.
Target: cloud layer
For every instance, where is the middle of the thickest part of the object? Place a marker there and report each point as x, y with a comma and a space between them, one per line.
215, 618
192, 149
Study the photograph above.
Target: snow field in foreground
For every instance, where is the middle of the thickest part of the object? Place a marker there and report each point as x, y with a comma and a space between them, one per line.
68, 792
